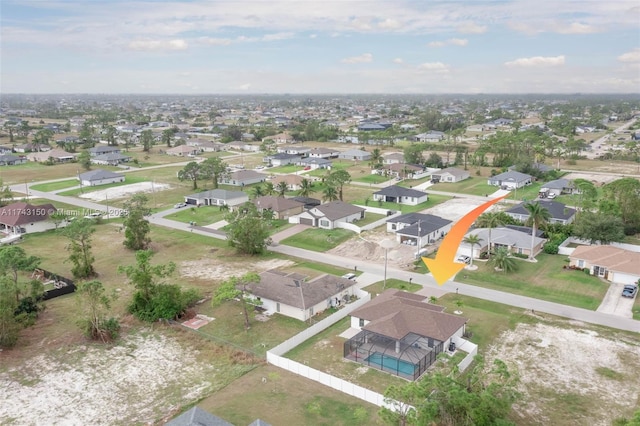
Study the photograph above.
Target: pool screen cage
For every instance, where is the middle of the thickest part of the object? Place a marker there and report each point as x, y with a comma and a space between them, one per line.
408, 357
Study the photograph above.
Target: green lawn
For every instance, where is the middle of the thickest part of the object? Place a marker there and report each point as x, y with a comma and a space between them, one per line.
205, 215
544, 280
55, 186
289, 168
473, 185
129, 179
377, 288
434, 199
369, 218
372, 178
313, 269
318, 239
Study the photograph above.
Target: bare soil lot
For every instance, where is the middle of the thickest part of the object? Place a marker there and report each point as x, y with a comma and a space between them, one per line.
124, 191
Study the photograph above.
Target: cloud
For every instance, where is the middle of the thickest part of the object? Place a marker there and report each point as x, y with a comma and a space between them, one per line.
558, 27
365, 57
277, 36
437, 67
537, 61
471, 28
576, 28
632, 56
215, 41
158, 45
398, 61
389, 24
244, 87
449, 42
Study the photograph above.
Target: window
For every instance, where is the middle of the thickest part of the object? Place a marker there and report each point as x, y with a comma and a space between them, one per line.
324, 223
580, 263
278, 307
361, 323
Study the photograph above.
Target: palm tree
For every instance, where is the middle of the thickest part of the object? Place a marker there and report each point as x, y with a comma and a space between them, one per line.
258, 191
502, 260
330, 193
306, 188
472, 240
538, 215
269, 189
376, 158
489, 220
282, 188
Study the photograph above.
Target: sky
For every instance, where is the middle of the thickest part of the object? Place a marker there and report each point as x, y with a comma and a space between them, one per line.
328, 46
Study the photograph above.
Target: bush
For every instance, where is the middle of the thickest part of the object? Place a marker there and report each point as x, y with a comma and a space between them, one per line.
520, 255
167, 301
587, 271
551, 248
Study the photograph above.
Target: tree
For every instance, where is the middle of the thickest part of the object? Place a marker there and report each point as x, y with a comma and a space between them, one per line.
282, 188
235, 288
168, 134
483, 396
146, 139
192, 172
84, 159
330, 193
538, 216
258, 191
473, 240
306, 188
137, 228
587, 192
503, 260
215, 169
625, 193
599, 228
489, 220
79, 234
94, 305
338, 179
9, 324
247, 231
376, 158
14, 259
413, 153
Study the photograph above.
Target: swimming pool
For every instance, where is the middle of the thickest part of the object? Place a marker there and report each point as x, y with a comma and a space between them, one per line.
387, 362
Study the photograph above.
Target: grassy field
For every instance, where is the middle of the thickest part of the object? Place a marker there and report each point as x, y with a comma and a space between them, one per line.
473, 186
369, 218
201, 215
87, 189
371, 178
55, 186
544, 280
434, 199
318, 239
377, 288
289, 168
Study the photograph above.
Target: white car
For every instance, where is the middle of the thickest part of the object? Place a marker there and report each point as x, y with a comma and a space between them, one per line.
180, 205
463, 259
551, 196
350, 276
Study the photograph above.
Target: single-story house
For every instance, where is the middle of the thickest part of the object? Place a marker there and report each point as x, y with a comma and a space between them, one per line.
281, 159
431, 136
323, 153
206, 146
110, 159
56, 154
403, 170
401, 333
418, 229
558, 211
292, 295
196, 416
243, 178
243, 146
11, 160
32, 147
614, 264
21, 217
99, 177
450, 174
558, 187
280, 138
315, 163
400, 195
184, 151
103, 149
514, 240
355, 154
282, 208
5, 150
510, 180
330, 215
302, 151
541, 167
293, 182
393, 158
217, 197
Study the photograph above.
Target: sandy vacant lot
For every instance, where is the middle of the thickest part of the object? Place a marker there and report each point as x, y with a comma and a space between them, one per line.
124, 191
576, 367
138, 381
212, 269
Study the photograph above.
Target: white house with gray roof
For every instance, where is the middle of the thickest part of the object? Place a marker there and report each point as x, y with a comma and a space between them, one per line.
99, 177
330, 215
217, 197
418, 229
510, 180
558, 211
512, 239
450, 175
558, 187
400, 195
355, 154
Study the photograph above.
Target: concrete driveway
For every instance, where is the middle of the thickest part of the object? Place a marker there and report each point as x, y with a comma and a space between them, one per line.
614, 304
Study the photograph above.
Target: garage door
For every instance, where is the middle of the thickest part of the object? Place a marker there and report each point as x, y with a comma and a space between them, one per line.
191, 201
304, 221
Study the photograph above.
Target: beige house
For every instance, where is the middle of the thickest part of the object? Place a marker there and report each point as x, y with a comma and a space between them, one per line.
614, 264
282, 208
293, 182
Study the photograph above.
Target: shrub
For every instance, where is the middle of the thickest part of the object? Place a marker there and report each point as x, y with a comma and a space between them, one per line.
167, 301
551, 248
587, 271
520, 255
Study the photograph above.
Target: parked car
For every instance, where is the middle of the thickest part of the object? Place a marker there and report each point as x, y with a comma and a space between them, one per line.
551, 195
463, 259
94, 215
350, 276
180, 205
629, 290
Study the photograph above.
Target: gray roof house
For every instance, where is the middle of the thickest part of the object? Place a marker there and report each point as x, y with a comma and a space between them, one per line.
111, 159
514, 240
418, 229
559, 212
102, 149
243, 178
324, 153
291, 294
450, 174
197, 417
558, 187
315, 163
355, 154
330, 215
99, 177
400, 195
10, 160
281, 159
510, 180
217, 197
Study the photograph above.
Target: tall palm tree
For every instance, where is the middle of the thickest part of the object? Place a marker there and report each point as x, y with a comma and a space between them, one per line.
538, 216
306, 188
503, 260
258, 191
489, 220
282, 188
269, 189
473, 240
330, 193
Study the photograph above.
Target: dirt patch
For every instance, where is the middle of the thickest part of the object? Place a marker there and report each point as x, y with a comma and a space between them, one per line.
555, 362
455, 208
124, 191
366, 246
88, 384
211, 269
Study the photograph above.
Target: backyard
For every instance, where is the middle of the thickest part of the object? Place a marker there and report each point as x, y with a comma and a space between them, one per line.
318, 239
434, 199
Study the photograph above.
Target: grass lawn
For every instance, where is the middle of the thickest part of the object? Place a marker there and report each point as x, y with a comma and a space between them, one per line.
434, 199
473, 185
86, 189
370, 218
205, 215
313, 270
318, 239
636, 309
372, 178
289, 168
33, 172
544, 280
54, 186
528, 193
377, 288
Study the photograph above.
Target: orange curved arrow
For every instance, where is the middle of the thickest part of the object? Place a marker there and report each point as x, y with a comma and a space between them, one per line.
443, 267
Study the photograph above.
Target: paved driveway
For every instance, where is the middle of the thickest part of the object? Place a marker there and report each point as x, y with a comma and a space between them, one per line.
614, 304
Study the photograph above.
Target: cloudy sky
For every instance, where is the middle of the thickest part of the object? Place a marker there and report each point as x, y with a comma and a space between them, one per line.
328, 46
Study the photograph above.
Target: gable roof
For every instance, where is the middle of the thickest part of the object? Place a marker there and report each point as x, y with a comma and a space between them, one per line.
505, 236
315, 160
511, 176
556, 210
558, 184
355, 153
285, 288
246, 175
99, 174
21, 213
424, 225
104, 149
452, 171
338, 209
218, 194
197, 417
396, 313
276, 204
288, 179
613, 258
400, 191
111, 157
